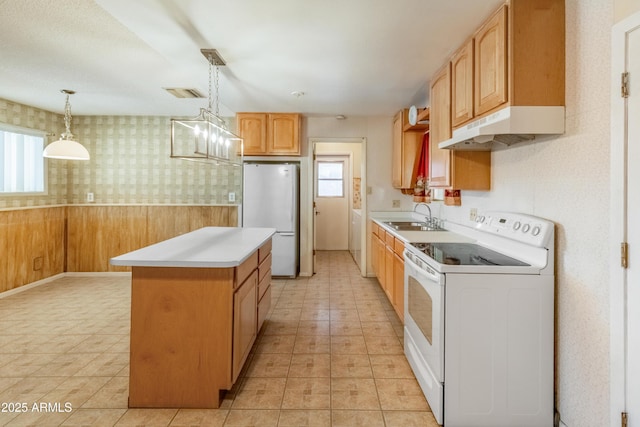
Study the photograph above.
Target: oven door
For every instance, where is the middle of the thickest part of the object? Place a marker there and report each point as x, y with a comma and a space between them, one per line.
424, 329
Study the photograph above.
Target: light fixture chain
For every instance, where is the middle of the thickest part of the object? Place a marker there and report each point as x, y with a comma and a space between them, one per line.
217, 90
67, 119
210, 74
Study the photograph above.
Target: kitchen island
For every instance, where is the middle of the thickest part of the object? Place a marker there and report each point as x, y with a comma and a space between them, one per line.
197, 303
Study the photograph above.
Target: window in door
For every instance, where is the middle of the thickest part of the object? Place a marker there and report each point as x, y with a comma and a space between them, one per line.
330, 179
22, 167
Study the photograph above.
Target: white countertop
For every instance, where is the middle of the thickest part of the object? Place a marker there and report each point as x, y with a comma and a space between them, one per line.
415, 236
208, 247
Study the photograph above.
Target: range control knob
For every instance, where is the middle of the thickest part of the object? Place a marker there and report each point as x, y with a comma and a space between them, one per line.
536, 230
517, 225
480, 219
526, 228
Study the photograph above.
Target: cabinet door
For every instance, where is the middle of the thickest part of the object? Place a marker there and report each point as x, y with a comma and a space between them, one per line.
389, 276
396, 155
284, 137
462, 85
398, 285
491, 63
245, 321
374, 251
252, 127
440, 128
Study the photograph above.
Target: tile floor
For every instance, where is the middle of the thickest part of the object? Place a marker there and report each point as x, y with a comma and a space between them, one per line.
329, 354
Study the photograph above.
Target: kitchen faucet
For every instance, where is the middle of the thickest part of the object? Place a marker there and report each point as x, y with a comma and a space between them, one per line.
430, 219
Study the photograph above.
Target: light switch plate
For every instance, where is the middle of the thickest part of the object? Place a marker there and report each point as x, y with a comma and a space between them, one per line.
232, 196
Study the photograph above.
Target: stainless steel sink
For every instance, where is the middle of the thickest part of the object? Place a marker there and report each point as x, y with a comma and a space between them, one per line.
412, 226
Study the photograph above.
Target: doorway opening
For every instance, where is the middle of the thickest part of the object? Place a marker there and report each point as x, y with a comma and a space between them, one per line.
339, 173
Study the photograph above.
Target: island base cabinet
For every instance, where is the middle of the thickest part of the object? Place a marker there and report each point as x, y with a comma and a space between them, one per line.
245, 314
180, 349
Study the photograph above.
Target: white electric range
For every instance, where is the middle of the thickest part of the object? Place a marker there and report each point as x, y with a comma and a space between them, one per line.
479, 323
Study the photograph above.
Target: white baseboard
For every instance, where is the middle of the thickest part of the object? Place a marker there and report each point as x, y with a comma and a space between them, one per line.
60, 276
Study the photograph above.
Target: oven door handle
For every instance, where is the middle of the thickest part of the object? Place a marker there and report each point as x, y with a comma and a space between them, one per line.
424, 270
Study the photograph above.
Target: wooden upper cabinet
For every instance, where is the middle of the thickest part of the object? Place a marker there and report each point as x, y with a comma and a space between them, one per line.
405, 152
462, 85
269, 134
252, 127
440, 128
284, 134
491, 63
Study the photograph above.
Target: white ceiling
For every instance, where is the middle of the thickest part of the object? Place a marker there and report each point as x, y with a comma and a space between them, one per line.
351, 57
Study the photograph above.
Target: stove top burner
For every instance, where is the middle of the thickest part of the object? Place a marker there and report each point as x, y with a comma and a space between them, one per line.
466, 254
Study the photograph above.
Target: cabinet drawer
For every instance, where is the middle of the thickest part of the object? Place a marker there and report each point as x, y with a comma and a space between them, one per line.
375, 228
264, 251
246, 268
398, 247
263, 307
265, 283
389, 239
264, 268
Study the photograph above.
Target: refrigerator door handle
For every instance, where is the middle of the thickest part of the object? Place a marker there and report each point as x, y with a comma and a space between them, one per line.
286, 234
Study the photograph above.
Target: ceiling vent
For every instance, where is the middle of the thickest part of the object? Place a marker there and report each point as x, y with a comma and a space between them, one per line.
180, 92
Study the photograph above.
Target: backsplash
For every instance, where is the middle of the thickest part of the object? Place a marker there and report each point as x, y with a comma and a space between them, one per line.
129, 164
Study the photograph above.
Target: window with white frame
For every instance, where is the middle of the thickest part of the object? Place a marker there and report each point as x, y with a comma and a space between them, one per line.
330, 179
22, 167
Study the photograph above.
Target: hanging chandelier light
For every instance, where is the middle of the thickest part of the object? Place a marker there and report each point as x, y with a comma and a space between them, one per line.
66, 148
206, 136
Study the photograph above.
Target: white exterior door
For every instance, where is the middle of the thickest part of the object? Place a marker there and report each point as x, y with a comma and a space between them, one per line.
332, 184
625, 220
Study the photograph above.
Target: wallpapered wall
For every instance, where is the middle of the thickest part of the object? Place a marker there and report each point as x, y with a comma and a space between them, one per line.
129, 163
33, 118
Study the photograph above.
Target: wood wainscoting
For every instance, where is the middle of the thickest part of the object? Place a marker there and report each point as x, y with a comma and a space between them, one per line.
31, 245
37, 243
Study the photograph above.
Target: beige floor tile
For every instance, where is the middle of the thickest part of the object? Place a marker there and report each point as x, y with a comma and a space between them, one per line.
346, 327
22, 365
354, 393
114, 394
348, 345
314, 314
307, 393
269, 365
372, 315
305, 418
39, 418
260, 393
273, 327
378, 329
342, 418
93, 417
200, 417
390, 366
147, 417
307, 327
65, 365
312, 344
252, 418
344, 315
401, 394
96, 343
409, 419
285, 315
276, 344
350, 366
310, 366
76, 390
383, 345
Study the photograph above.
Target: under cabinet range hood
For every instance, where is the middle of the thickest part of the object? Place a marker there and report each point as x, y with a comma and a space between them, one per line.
507, 126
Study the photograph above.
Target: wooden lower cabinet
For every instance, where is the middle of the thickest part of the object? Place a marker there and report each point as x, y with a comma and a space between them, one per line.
388, 265
245, 321
192, 330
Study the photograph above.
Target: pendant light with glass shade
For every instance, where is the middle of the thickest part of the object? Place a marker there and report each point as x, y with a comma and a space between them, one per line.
66, 148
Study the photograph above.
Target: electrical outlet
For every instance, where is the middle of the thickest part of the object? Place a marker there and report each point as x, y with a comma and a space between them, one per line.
90, 197
395, 203
369, 190
473, 213
232, 196
37, 263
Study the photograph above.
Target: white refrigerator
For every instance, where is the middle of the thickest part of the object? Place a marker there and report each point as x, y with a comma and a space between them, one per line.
270, 199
